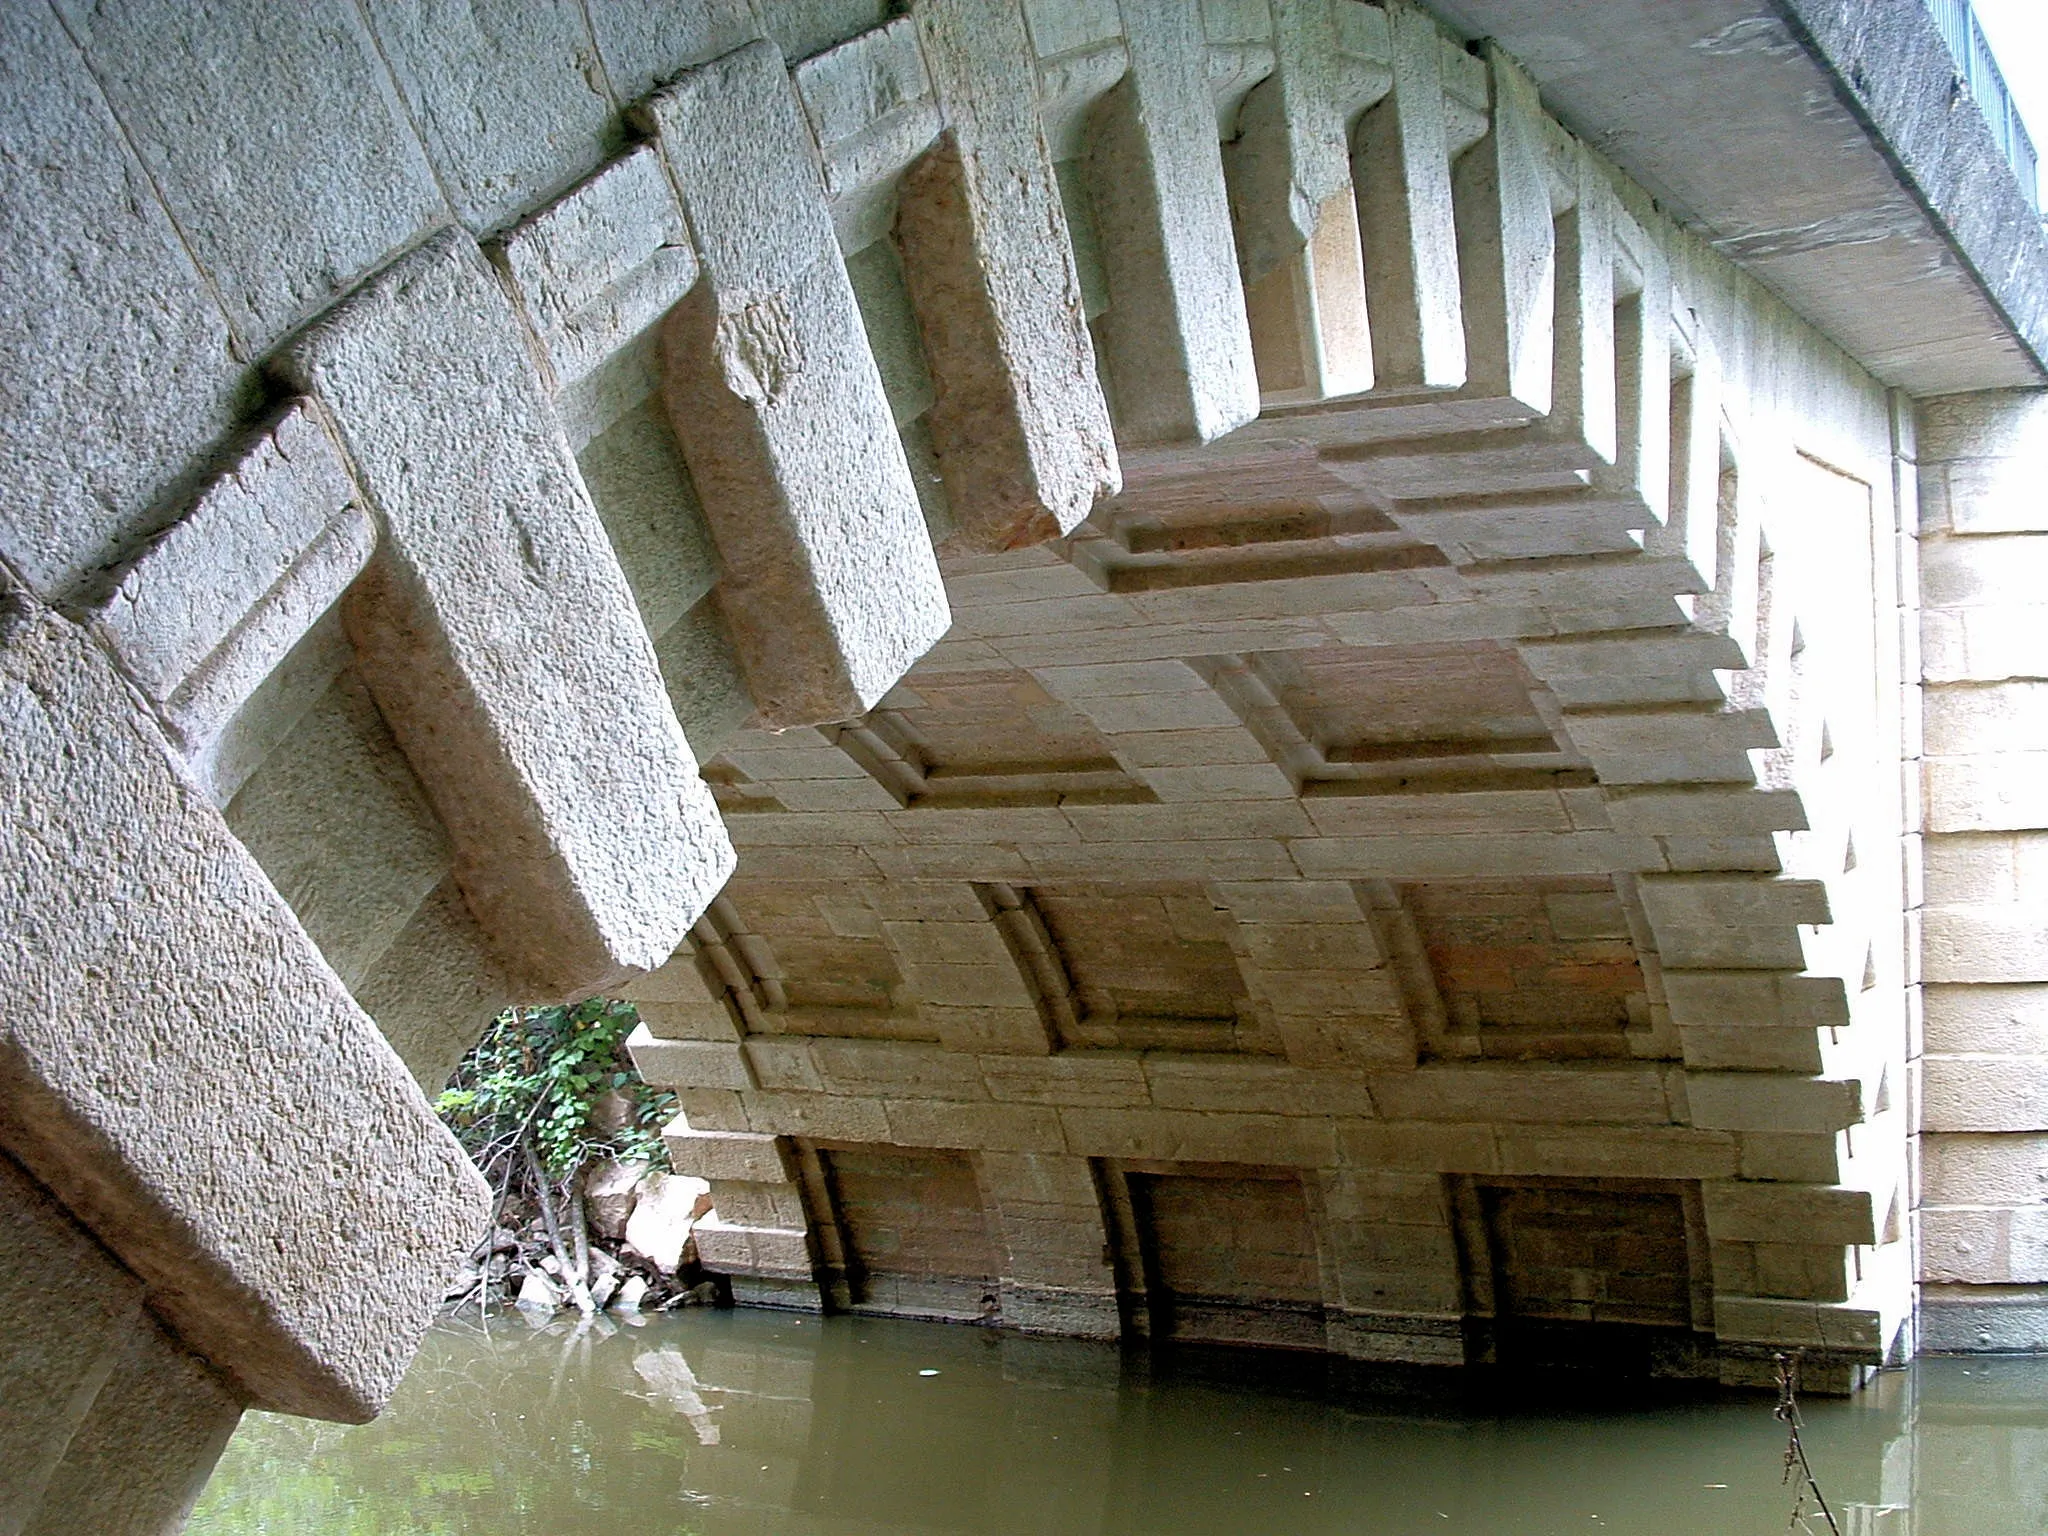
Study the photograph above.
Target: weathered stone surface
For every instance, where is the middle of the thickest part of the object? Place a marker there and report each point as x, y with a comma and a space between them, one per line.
1305, 904
1175, 335
222, 762
1985, 1093
646, 42
831, 588
643, 495
116, 356
709, 1155
1019, 424
147, 1446
506, 96
183, 596
496, 629
691, 1063
57, 1357
1984, 943
871, 110
701, 667
437, 984
1295, 210
801, 28
610, 1190
1984, 1169
108, 960
1401, 166
1981, 1245
601, 263
306, 174
218, 694
1506, 248
341, 827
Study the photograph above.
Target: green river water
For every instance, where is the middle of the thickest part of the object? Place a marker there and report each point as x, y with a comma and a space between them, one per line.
720, 1423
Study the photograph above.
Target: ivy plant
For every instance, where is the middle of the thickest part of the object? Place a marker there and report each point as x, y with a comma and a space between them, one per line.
536, 1077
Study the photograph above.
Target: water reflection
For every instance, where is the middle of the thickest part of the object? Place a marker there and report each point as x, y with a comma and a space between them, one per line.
723, 1423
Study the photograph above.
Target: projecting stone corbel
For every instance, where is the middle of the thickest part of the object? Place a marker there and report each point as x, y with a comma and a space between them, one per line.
498, 636
830, 587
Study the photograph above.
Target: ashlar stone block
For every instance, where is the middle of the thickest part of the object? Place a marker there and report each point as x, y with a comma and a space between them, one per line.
57, 1358
307, 172
140, 1016
646, 42
339, 824
1019, 424
1401, 167
1296, 210
1585, 386
499, 637
871, 107
136, 1466
1175, 334
436, 984
831, 588
1507, 257
602, 263
103, 308
187, 592
506, 94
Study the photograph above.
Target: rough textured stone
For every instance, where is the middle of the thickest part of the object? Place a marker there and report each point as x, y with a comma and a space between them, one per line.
1019, 423
341, 827
871, 110
1175, 335
1506, 246
58, 1357
649, 508
831, 588
705, 683
182, 597
496, 607
602, 263
117, 356
136, 1465
1401, 168
609, 1192
645, 43
1296, 212
508, 96
1232, 887
307, 172
109, 961
802, 28
437, 984
667, 1206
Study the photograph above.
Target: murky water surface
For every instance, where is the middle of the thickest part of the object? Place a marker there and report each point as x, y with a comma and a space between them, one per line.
718, 1423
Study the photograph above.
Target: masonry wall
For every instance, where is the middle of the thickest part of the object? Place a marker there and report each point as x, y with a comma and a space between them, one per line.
1984, 1064
1253, 615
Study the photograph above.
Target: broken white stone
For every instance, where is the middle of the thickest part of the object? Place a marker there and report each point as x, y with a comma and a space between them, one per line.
663, 1214
610, 1190
630, 1294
